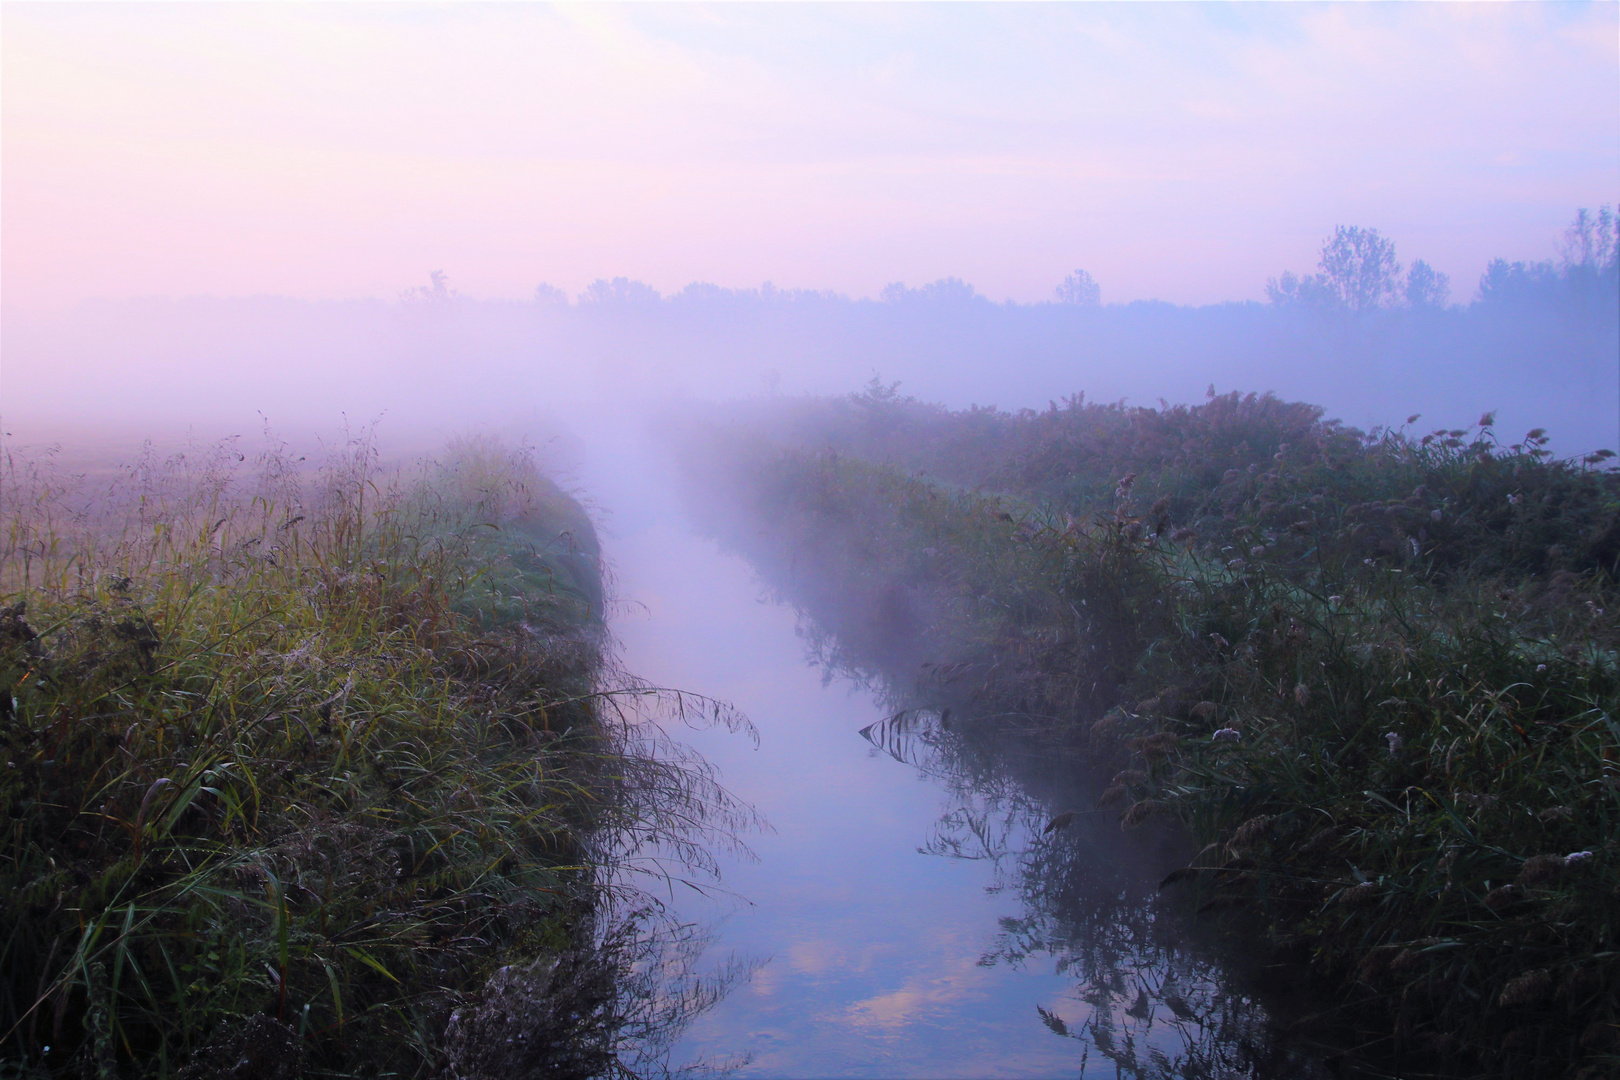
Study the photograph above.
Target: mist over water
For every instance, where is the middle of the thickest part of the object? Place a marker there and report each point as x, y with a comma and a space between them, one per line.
906, 912
436, 362
379, 227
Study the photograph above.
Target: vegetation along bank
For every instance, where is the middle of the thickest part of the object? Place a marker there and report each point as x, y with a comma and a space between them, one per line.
311, 774
1372, 674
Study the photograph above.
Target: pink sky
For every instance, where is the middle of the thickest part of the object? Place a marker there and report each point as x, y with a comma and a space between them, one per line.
1178, 152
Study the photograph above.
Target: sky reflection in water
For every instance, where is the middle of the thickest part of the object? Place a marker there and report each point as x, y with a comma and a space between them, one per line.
886, 951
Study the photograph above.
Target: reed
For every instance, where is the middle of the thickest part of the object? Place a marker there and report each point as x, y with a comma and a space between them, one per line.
297, 759
1374, 674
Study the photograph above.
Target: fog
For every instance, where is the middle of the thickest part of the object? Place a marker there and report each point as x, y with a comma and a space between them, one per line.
218, 213
363, 231
431, 361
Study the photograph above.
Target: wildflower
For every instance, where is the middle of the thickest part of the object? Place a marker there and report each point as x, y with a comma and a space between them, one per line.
1540, 668
1367, 562
1226, 734
1335, 600
1395, 742
1123, 491
1302, 695
1575, 858
1513, 500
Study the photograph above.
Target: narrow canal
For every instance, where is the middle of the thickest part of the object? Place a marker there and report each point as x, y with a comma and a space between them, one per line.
906, 914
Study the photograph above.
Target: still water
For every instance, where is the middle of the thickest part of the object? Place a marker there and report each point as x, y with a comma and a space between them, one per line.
905, 914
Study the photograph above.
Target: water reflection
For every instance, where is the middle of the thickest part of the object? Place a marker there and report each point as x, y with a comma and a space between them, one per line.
911, 914
1152, 994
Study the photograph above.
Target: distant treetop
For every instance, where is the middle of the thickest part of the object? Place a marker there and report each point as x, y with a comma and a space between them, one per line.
1080, 289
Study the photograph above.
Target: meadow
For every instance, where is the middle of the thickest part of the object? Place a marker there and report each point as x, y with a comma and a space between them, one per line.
318, 769
1371, 675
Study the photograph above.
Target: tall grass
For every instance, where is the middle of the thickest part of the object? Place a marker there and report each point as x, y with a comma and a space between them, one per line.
1374, 675
297, 759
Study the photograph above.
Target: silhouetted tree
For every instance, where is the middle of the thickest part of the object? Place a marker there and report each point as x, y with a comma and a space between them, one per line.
944, 291
1080, 289
619, 291
1588, 273
1426, 287
1358, 273
437, 291
1360, 268
1592, 242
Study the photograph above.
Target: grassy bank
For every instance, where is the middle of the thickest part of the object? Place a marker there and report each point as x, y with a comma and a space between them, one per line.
1373, 674
313, 769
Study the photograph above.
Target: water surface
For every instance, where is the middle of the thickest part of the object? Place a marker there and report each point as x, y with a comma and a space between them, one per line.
906, 914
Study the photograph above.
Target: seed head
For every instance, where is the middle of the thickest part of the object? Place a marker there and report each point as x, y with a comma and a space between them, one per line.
1540, 868
1302, 695
1139, 813
1527, 989
1359, 895
1252, 830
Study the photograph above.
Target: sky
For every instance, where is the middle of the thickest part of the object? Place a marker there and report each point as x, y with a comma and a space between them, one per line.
1177, 152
